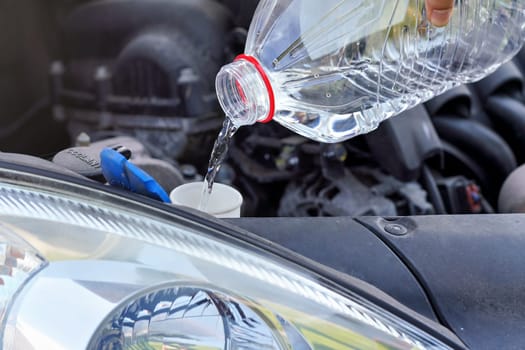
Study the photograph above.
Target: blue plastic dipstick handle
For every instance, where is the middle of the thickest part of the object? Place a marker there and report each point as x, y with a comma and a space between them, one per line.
119, 172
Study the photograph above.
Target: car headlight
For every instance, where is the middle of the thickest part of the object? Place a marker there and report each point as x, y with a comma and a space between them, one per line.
98, 271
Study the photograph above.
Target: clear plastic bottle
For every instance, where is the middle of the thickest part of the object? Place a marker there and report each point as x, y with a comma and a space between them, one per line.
333, 69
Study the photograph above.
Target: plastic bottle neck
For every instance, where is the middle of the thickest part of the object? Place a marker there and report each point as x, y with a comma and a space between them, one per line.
245, 92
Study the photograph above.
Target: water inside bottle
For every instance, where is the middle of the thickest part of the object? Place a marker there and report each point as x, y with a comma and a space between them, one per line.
218, 154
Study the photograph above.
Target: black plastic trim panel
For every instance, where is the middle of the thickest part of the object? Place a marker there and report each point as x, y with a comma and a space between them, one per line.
473, 269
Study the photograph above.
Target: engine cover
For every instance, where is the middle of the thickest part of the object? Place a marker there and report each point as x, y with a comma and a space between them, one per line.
147, 44
144, 68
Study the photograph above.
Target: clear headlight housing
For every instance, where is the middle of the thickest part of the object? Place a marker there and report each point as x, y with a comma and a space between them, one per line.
88, 269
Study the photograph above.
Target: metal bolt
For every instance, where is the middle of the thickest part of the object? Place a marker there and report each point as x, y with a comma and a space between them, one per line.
293, 161
57, 68
396, 229
83, 140
188, 171
102, 74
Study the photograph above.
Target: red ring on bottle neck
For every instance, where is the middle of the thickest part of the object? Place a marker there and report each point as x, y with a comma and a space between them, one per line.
269, 89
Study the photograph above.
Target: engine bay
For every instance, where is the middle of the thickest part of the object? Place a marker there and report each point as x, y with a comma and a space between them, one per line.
138, 77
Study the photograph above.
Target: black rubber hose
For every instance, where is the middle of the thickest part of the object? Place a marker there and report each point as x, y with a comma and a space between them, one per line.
486, 147
429, 184
458, 162
508, 117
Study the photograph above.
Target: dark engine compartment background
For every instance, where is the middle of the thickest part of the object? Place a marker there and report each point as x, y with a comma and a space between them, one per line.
30, 42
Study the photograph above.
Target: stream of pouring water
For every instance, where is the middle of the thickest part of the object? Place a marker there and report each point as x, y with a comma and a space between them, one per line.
220, 150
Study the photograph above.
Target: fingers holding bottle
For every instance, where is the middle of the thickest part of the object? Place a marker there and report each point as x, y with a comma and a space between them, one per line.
439, 11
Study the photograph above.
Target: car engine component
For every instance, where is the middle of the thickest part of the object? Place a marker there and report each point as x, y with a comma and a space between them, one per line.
144, 69
512, 195
140, 74
85, 160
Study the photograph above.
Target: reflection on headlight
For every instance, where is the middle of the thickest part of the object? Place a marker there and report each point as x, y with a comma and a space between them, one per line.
219, 296
187, 318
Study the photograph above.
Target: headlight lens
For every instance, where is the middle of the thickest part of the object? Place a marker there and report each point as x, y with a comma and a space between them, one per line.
192, 317
18, 262
121, 276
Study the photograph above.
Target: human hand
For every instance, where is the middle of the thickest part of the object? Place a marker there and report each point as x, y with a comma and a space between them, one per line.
439, 11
